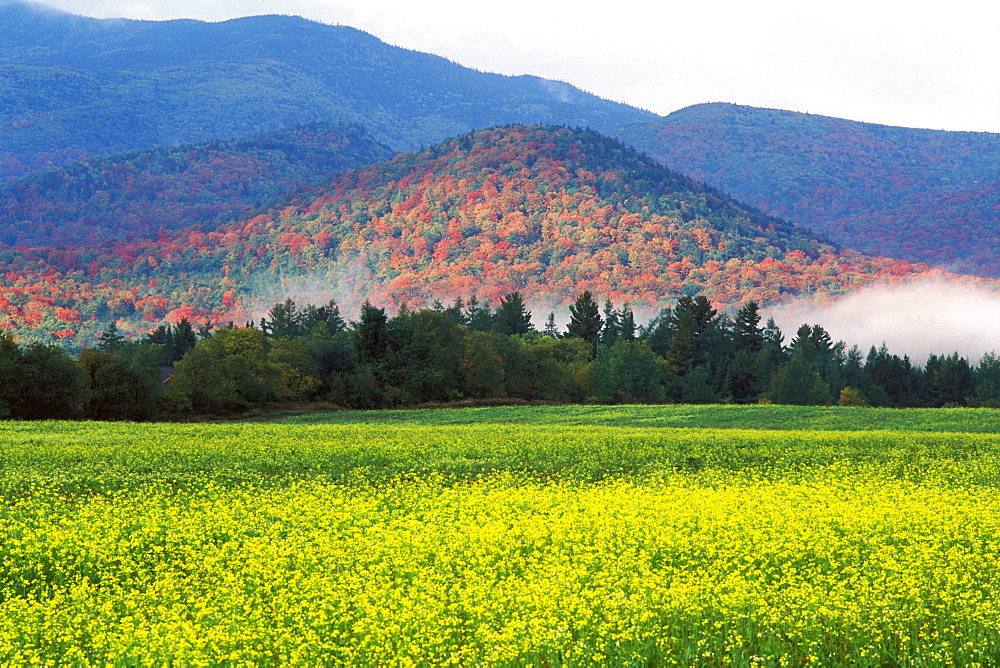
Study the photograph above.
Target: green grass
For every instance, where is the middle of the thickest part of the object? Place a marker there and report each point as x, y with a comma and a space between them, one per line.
826, 418
582, 443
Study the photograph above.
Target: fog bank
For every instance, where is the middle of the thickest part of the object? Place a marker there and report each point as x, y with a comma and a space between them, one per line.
918, 318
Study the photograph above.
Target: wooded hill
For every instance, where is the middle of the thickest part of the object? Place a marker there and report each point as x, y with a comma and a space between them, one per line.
545, 211
142, 194
73, 87
921, 195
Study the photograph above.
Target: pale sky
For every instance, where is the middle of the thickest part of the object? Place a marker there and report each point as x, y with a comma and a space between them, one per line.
899, 63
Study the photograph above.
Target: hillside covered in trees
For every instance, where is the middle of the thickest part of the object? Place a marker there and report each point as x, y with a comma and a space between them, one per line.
144, 194
73, 87
545, 211
920, 195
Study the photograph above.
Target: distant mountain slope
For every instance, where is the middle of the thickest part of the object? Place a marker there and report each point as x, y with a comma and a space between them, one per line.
922, 195
73, 87
143, 194
547, 211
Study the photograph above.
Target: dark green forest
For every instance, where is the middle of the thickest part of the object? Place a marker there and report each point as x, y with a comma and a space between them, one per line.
472, 351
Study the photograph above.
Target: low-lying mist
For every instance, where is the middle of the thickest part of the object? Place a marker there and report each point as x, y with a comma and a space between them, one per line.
917, 318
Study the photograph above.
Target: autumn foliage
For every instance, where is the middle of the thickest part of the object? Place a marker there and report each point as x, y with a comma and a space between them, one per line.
545, 211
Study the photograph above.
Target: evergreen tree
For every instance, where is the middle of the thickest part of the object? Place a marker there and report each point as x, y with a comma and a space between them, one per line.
478, 315
282, 320
746, 330
550, 326
897, 381
585, 320
109, 341
511, 316
371, 334
986, 379
327, 315
799, 383
693, 329
626, 323
184, 339
612, 326
659, 331
948, 380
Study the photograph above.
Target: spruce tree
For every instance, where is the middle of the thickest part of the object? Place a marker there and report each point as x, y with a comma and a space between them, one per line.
110, 341
585, 320
511, 316
550, 326
371, 334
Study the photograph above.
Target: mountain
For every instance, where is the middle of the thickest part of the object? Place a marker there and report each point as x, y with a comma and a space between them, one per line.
921, 195
547, 211
144, 194
73, 87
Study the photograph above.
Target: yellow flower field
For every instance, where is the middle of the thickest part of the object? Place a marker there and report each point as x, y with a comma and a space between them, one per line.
689, 558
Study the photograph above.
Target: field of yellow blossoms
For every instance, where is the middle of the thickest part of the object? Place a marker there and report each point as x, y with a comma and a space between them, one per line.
506, 536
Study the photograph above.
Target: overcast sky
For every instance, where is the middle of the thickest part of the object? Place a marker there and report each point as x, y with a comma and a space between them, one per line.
917, 65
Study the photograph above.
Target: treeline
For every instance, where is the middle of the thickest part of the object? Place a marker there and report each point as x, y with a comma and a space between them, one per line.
689, 353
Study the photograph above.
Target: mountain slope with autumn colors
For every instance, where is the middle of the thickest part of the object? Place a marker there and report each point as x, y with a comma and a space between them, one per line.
145, 194
922, 195
547, 211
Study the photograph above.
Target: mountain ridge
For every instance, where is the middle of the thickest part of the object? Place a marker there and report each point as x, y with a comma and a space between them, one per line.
78, 87
144, 194
918, 194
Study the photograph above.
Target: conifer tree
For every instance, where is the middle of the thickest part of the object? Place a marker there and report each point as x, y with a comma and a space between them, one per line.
550, 326
585, 320
612, 327
511, 317
371, 334
109, 341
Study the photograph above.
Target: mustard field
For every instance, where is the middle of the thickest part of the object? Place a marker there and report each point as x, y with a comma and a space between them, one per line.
506, 536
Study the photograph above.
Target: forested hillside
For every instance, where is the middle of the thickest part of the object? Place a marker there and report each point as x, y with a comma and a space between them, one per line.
921, 195
545, 211
143, 194
73, 87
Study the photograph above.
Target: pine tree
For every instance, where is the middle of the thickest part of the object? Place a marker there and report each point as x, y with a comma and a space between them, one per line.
694, 320
371, 334
282, 320
550, 326
747, 333
585, 320
626, 322
511, 316
612, 327
478, 316
110, 341
184, 339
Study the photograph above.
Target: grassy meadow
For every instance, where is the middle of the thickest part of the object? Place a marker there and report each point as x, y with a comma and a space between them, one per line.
687, 535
